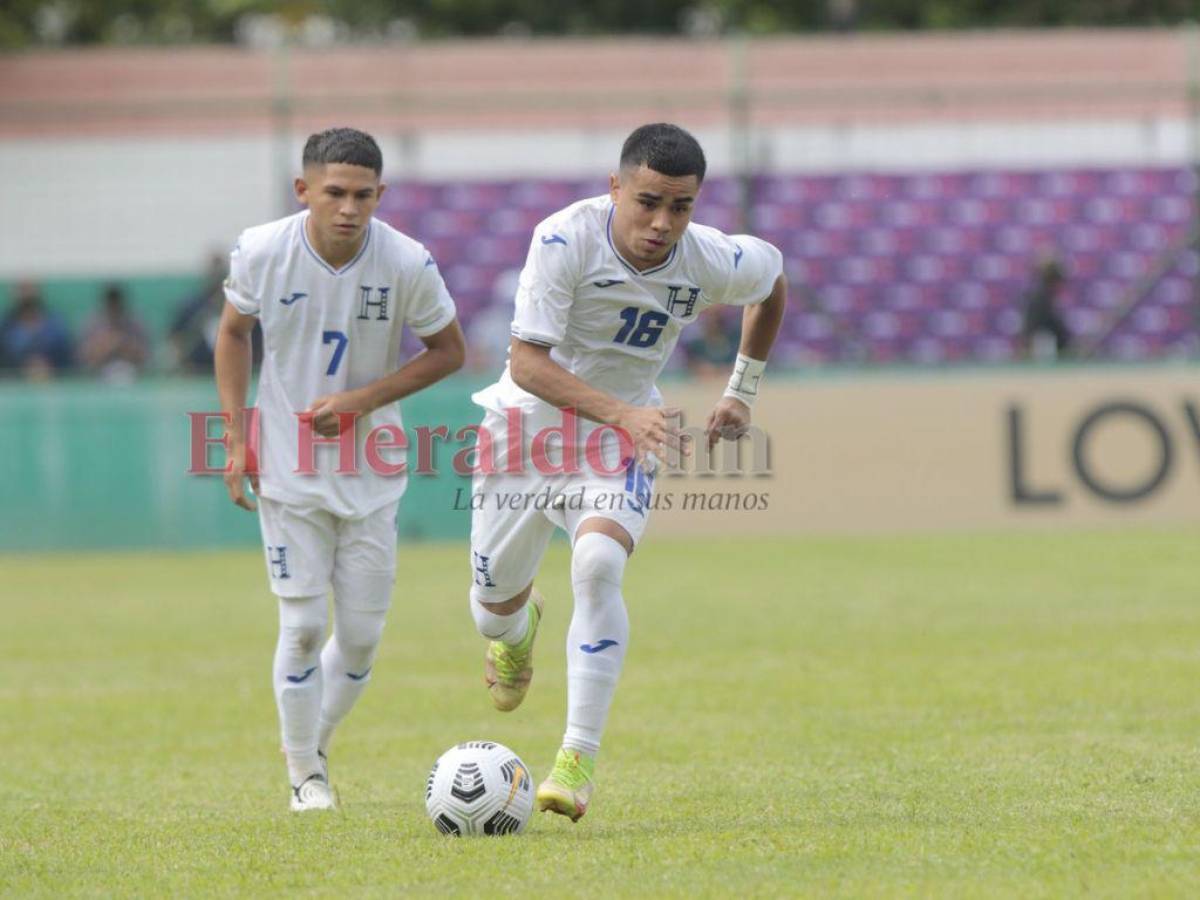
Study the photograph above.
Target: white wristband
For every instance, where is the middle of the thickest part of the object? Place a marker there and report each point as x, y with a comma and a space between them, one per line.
743, 383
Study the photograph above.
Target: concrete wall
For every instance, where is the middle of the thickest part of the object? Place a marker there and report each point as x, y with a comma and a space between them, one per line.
156, 205
89, 466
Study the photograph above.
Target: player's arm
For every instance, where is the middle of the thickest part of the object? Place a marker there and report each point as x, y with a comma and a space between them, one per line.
760, 326
649, 427
233, 361
760, 322
445, 351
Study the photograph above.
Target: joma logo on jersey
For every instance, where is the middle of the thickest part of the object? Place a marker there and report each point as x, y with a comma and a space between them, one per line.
366, 303
685, 307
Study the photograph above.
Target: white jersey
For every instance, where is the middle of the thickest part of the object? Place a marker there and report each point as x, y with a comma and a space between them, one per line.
609, 324
327, 330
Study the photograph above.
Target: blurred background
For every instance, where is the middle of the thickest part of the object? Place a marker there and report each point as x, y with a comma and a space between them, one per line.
988, 217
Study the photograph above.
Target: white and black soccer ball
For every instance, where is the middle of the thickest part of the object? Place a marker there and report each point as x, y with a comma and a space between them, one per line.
479, 787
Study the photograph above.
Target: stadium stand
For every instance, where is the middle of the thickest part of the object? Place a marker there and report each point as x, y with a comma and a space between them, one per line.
897, 251
924, 268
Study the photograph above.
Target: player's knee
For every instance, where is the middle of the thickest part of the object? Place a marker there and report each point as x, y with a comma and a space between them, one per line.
491, 615
597, 557
301, 640
358, 637
302, 622
357, 591
358, 659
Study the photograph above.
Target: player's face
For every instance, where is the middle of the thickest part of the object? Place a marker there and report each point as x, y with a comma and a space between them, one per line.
342, 198
651, 213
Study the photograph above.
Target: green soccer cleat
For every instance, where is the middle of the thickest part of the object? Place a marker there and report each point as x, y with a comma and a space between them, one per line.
509, 669
569, 788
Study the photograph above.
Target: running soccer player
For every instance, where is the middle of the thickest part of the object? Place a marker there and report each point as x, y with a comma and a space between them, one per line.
333, 288
607, 286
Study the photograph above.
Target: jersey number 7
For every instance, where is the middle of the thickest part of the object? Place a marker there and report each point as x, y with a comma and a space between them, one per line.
340, 339
643, 333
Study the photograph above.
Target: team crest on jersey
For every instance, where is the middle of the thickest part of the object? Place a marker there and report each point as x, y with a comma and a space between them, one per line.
679, 306
368, 304
483, 576
277, 558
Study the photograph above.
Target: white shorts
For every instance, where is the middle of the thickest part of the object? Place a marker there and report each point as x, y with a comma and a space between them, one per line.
303, 546
513, 516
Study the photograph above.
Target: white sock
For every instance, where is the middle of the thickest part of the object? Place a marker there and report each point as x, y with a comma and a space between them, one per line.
510, 629
596, 640
297, 675
360, 604
347, 660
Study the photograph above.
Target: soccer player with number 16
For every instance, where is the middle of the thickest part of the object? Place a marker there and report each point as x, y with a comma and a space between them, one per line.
608, 285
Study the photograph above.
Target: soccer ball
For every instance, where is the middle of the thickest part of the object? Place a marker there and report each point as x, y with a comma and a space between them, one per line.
479, 787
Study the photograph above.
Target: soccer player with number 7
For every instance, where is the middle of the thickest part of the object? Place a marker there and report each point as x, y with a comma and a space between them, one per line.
608, 284
333, 288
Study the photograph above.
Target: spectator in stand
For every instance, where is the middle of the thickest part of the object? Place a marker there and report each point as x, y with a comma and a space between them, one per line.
714, 349
842, 15
114, 344
1044, 334
193, 333
34, 342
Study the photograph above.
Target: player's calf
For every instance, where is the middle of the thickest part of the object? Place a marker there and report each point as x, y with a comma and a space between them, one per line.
298, 681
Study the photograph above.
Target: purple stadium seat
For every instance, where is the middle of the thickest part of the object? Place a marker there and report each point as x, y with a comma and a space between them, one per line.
926, 267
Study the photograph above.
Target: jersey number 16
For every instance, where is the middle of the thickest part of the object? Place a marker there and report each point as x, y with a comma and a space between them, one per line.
640, 333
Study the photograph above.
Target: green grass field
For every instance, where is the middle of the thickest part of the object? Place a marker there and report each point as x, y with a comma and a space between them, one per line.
955, 717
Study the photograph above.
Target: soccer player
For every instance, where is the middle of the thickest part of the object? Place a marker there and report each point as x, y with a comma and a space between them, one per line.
333, 288
608, 284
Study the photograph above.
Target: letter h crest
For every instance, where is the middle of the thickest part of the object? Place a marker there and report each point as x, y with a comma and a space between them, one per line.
366, 304
483, 577
686, 307
277, 557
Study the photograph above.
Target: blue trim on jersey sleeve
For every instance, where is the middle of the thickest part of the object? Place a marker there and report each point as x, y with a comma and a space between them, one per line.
541, 341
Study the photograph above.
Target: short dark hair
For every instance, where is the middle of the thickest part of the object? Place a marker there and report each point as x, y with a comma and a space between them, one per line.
666, 149
343, 145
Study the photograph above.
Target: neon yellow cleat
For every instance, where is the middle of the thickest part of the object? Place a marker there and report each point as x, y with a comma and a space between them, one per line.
509, 669
570, 785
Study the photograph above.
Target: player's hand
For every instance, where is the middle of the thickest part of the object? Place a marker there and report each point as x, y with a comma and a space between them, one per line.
328, 412
652, 430
242, 464
730, 419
